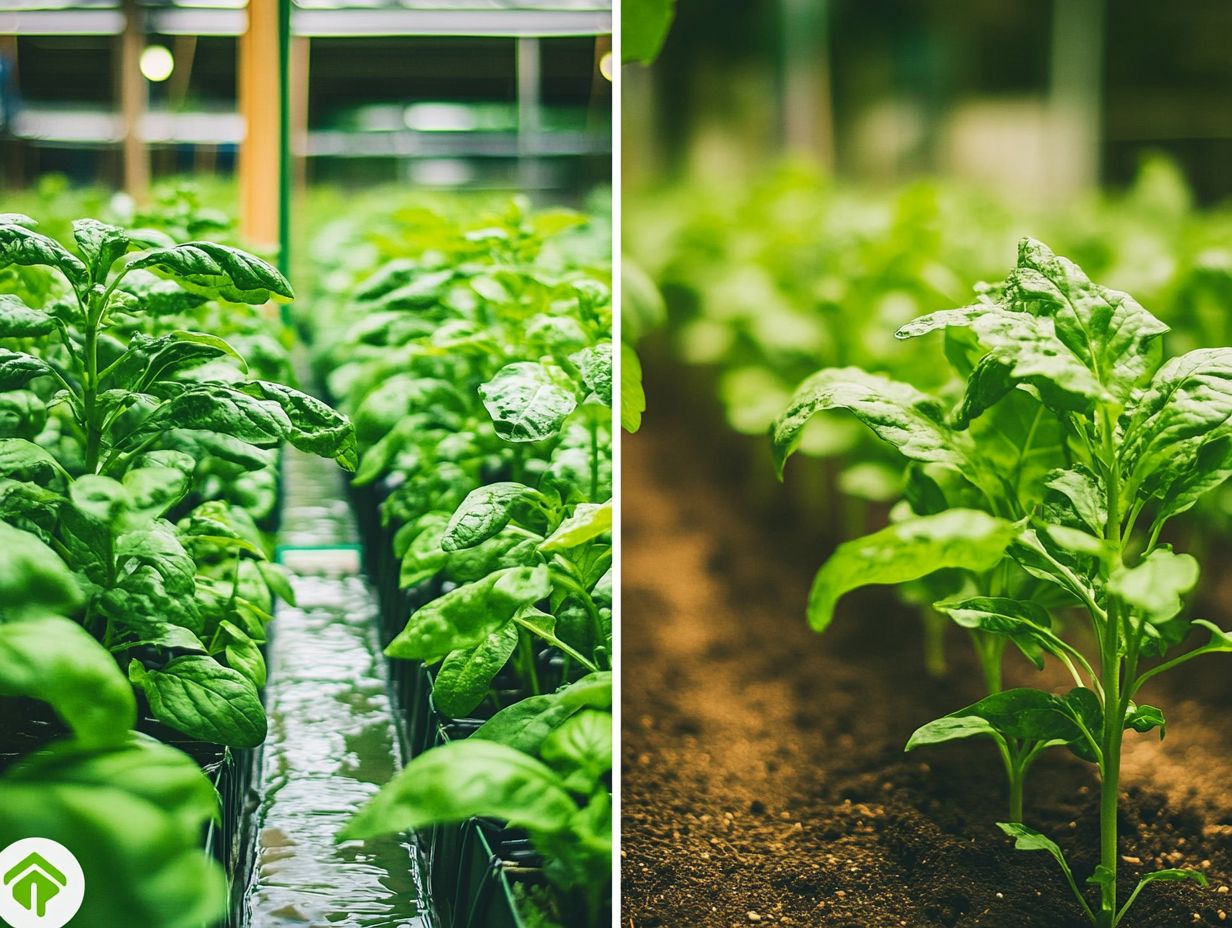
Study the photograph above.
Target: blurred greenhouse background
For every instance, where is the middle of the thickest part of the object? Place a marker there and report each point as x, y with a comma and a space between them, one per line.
1045, 98
431, 93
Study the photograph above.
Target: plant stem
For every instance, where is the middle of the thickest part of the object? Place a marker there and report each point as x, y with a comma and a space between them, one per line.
934, 643
1017, 782
594, 461
1114, 711
90, 386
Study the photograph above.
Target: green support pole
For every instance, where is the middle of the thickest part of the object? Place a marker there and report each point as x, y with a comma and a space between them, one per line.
285, 180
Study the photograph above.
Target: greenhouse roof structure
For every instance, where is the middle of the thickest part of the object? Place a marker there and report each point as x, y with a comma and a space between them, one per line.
318, 18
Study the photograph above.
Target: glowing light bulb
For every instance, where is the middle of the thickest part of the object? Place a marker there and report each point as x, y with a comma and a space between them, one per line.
157, 63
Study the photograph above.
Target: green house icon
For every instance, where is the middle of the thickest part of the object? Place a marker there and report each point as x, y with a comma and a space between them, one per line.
34, 882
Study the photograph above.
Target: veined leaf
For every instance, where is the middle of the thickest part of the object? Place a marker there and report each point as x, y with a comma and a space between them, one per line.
198, 696
465, 676
218, 271
913, 422
484, 513
23, 246
17, 320
312, 425
100, 244
963, 538
464, 617
463, 779
1155, 587
589, 521
18, 368
526, 403
33, 579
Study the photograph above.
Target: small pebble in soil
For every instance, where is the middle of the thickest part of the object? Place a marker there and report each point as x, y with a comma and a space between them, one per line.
1222, 889
1131, 860
754, 917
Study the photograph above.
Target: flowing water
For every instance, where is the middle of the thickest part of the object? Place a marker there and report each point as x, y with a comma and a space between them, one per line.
332, 741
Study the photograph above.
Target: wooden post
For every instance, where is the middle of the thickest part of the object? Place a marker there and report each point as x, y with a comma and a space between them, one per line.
301, 60
258, 159
134, 101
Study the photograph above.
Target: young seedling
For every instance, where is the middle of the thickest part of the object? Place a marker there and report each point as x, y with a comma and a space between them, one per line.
1144, 440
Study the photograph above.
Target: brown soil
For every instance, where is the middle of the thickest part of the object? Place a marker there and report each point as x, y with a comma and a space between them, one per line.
764, 779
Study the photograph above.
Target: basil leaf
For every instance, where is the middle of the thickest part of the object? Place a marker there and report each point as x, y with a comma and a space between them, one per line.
59, 662
466, 675
526, 403
18, 368
1155, 587
17, 320
589, 521
912, 421
218, 271
100, 244
312, 426
464, 617
463, 779
22, 246
966, 538
33, 579
198, 696
484, 513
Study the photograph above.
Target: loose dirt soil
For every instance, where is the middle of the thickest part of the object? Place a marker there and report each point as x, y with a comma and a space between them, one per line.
764, 777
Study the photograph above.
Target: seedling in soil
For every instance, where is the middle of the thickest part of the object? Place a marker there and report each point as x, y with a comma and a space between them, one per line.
1142, 440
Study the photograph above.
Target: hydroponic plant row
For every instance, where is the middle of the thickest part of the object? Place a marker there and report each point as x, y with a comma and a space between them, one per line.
474, 355
138, 453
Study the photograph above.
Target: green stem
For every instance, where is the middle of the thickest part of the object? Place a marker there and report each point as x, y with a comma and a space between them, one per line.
934, 643
1017, 777
526, 656
594, 460
90, 388
1114, 710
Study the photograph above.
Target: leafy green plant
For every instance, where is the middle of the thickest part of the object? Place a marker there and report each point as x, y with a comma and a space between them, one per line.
108, 430
1140, 439
130, 808
475, 356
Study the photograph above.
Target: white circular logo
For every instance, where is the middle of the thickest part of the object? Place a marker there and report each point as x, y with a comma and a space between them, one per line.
41, 884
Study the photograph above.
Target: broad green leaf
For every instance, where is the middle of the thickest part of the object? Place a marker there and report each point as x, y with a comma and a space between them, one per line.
596, 367
218, 270
1109, 331
59, 662
17, 320
484, 513
154, 490
1025, 623
526, 403
22, 414
466, 675
132, 821
18, 368
644, 25
632, 393
100, 244
1145, 718
526, 723
24, 460
1156, 586
949, 728
583, 742
963, 538
221, 409
463, 779
1212, 466
198, 696
244, 654
913, 422
140, 765
589, 521
1186, 406
462, 618
22, 246
33, 578
149, 360
1075, 498
313, 426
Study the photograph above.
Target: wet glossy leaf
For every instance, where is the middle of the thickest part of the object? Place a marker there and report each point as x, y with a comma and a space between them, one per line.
466, 675
198, 696
57, 661
456, 781
464, 617
218, 270
526, 403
